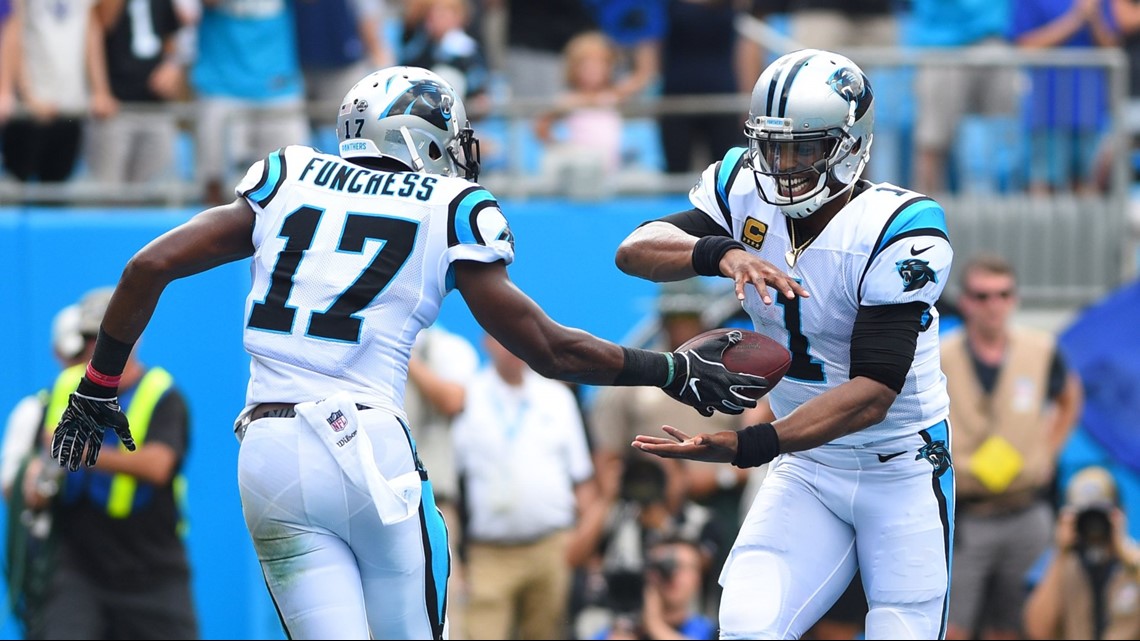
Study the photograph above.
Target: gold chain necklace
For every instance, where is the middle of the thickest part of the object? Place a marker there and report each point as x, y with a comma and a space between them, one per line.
793, 254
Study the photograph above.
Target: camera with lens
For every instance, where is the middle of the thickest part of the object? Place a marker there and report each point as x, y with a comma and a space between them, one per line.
663, 565
1094, 526
625, 591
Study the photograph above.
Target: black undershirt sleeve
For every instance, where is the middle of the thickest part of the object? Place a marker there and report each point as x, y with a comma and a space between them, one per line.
693, 222
883, 342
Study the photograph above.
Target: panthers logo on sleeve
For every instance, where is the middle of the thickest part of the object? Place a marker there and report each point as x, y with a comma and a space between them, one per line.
915, 273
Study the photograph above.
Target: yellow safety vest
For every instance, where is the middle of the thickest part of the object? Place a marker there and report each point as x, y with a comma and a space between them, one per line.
149, 391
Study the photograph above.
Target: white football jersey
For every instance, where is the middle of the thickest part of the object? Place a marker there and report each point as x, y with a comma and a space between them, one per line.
349, 265
889, 245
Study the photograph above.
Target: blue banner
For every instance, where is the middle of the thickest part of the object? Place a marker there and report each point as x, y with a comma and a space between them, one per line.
1103, 345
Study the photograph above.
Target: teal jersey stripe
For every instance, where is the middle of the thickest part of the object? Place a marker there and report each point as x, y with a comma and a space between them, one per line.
463, 231
273, 176
923, 214
727, 171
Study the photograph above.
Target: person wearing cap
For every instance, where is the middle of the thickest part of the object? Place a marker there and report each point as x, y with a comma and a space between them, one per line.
121, 569
28, 485
27, 415
1090, 588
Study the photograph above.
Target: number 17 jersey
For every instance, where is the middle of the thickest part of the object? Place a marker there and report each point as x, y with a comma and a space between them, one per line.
349, 265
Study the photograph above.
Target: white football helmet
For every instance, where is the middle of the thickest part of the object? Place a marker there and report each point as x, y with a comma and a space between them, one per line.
809, 129
412, 115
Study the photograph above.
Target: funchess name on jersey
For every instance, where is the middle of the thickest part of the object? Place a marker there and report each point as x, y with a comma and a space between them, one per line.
344, 177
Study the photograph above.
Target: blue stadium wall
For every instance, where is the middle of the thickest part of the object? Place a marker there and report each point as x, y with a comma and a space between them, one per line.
50, 257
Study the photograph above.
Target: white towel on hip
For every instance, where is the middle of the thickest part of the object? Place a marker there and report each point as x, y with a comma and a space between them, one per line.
337, 424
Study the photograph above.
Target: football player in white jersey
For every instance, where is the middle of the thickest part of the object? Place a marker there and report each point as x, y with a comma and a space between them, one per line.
351, 257
857, 432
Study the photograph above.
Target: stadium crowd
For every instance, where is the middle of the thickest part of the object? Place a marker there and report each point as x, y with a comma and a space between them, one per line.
192, 91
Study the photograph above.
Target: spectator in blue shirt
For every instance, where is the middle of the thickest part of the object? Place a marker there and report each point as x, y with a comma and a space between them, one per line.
1066, 109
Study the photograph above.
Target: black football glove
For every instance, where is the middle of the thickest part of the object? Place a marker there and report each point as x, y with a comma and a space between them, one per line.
703, 382
82, 425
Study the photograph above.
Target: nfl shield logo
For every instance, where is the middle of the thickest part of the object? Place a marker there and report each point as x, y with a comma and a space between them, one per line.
337, 421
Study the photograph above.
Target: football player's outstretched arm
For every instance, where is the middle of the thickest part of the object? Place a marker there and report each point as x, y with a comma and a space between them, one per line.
661, 251
513, 318
218, 235
882, 347
850, 407
697, 378
211, 238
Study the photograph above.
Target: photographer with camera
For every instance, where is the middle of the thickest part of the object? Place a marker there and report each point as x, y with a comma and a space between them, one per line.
1090, 588
671, 589
628, 528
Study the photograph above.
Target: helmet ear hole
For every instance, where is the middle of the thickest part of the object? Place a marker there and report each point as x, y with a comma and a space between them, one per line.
434, 152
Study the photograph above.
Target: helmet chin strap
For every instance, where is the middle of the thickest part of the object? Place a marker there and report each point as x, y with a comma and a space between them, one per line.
417, 161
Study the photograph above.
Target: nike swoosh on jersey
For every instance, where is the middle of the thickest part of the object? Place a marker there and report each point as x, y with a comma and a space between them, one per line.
883, 458
693, 386
916, 252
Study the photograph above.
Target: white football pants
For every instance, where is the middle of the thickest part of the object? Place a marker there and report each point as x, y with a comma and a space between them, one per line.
819, 515
334, 570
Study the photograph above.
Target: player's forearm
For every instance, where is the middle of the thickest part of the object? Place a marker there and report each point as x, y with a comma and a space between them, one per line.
657, 251
213, 237
853, 406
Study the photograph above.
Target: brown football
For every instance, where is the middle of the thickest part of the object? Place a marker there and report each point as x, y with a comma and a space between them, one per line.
755, 354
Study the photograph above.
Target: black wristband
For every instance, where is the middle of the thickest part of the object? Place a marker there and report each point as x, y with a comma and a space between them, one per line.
91, 389
709, 250
111, 354
644, 367
756, 445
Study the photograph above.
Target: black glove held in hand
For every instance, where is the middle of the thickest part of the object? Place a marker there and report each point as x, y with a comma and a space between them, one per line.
703, 382
82, 427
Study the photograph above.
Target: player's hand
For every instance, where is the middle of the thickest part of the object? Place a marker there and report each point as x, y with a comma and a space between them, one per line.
719, 447
744, 268
81, 429
702, 381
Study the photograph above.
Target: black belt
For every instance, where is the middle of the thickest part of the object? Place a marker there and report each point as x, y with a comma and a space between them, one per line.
282, 410
272, 410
